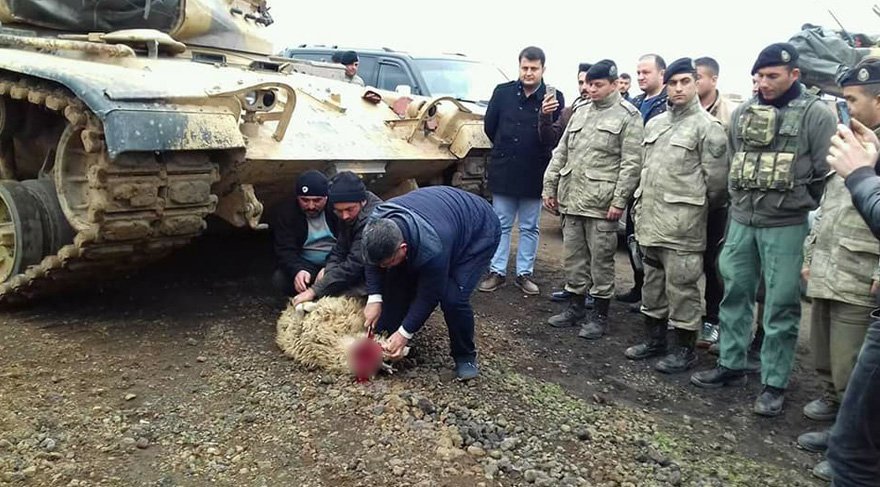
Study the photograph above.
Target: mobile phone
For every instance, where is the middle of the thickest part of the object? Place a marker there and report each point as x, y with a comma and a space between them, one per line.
551, 92
843, 113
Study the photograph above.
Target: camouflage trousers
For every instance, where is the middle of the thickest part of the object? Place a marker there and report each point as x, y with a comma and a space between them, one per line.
588, 246
671, 290
837, 331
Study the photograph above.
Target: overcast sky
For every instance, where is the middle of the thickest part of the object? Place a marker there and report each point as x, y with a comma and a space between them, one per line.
733, 32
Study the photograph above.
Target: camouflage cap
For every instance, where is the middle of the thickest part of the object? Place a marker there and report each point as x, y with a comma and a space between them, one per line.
679, 66
864, 74
604, 69
779, 54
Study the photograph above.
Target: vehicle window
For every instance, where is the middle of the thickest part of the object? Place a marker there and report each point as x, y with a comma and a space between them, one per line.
391, 75
462, 79
367, 69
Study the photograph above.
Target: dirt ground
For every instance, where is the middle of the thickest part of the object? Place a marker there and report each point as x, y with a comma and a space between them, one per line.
171, 377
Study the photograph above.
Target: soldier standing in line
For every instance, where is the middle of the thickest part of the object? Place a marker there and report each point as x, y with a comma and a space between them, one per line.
779, 141
684, 177
842, 272
593, 173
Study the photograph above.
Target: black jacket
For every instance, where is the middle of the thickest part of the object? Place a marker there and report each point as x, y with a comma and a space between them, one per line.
864, 185
345, 265
659, 106
518, 158
290, 230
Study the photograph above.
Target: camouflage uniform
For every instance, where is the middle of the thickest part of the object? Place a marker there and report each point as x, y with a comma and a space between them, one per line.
842, 256
595, 166
684, 174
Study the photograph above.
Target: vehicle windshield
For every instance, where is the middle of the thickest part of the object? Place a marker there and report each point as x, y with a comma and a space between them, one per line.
465, 80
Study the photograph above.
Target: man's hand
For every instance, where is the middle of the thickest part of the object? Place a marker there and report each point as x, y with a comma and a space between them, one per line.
875, 287
549, 105
805, 273
852, 149
304, 297
371, 315
614, 213
301, 281
395, 345
551, 204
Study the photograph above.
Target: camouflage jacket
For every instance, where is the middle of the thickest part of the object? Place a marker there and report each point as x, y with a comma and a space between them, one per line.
684, 175
841, 252
597, 162
803, 169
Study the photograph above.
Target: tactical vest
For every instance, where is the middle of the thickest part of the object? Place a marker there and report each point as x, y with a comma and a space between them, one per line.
770, 145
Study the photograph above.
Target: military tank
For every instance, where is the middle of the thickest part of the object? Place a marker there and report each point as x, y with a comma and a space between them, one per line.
123, 125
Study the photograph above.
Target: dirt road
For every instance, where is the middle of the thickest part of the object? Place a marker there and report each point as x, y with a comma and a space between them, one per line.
171, 377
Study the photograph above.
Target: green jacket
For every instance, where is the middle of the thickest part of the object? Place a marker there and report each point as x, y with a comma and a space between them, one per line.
841, 252
597, 162
809, 136
684, 175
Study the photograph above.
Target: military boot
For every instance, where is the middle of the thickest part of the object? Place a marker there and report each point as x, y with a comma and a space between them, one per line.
655, 329
682, 356
598, 323
573, 314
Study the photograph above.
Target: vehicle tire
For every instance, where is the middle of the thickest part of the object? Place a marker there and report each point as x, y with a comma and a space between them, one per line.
21, 229
57, 232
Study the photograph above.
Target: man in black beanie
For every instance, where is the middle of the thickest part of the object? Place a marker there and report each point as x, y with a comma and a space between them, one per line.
304, 235
349, 59
344, 273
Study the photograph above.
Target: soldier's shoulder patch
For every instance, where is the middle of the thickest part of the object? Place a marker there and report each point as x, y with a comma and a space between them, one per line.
629, 107
716, 139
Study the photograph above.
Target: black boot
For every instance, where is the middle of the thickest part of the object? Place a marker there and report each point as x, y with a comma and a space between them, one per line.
573, 314
598, 323
655, 330
682, 356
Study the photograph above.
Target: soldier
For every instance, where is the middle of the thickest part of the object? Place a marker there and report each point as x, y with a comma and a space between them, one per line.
841, 268
779, 142
683, 178
592, 175
349, 59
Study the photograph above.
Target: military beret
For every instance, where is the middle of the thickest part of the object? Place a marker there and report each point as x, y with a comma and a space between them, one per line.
865, 74
311, 183
348, 57
584, 67
679, 66
779, 54
604, 69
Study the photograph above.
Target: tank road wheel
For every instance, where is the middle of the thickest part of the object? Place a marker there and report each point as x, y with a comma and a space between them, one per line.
72, 162
21, 229
56, 231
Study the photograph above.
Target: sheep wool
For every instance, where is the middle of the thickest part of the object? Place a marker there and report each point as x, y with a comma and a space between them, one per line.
320, 334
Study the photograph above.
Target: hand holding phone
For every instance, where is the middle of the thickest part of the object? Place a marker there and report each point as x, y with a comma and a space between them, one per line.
843, 114
550, 92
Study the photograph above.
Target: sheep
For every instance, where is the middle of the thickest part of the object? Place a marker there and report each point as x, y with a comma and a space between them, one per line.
323, 334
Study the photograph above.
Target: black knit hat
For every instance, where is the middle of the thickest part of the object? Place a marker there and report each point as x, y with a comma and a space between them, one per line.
779, 54
679, 66
311, 183
348, 57
347, 187
604, 69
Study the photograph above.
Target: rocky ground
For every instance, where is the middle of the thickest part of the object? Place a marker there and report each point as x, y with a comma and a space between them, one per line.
171, 377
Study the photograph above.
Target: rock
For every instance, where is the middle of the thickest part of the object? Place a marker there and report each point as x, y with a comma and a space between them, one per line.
496, 454
476, 451
127, 442
212, 451
49, 444
191, 342
5, 445
130, 396
565, 428
142, 443
201, 358
509, 443
657, 457
30, 471
729, 437
530, 476
368, 443
675, 477
426, 406
379, 410
583, 434
398, 471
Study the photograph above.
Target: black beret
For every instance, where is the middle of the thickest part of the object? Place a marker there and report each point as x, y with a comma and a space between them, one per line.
866, 74
346, 187
311, 183
779, 54
604, 69
584, 67
348, 57
679, 66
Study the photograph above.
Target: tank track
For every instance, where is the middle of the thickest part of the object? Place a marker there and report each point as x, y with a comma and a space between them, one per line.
138, 207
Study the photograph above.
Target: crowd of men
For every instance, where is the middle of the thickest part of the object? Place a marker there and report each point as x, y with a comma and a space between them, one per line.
708, 194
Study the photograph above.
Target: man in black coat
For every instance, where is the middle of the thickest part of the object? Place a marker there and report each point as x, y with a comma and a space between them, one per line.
304, 235
516, 166
344, 272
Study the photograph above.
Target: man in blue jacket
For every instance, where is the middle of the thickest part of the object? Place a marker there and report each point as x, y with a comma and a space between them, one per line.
516, 165
426, 247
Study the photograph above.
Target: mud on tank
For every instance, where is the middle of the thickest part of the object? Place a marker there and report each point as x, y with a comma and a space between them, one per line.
124, 124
